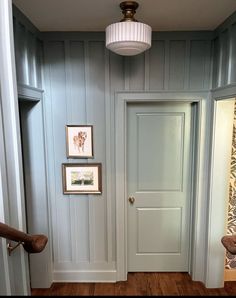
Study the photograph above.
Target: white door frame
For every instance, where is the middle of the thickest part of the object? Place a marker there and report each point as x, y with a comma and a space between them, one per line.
199, 219
15, 270
222, 128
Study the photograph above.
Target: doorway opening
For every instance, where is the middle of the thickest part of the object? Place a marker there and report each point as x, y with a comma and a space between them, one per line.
160, 151
122, 103
35, 182
223, 185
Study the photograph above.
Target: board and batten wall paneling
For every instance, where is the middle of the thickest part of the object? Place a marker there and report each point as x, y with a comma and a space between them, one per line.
177, 64
20, 53
224, 54
82, 79
62, 237
29, 57
28, 51
96, 116
76, 98
157, 65
224, 57
199, 68
232, 55
216, 64
116, 81
136, 74
79, 95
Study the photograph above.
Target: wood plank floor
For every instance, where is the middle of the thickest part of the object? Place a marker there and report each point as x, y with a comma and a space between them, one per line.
140, 284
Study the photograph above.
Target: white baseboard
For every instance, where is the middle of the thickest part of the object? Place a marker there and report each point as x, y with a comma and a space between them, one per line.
230, 275
85, 276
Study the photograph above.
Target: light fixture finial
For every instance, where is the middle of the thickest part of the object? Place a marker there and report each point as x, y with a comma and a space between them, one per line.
129, 10
128, 37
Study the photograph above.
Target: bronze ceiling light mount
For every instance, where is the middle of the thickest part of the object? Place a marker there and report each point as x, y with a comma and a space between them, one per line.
129, 9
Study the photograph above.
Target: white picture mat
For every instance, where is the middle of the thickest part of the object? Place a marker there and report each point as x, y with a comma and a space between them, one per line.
82, 171
72, 148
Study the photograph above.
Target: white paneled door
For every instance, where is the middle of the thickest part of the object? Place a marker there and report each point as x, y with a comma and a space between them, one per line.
159, 186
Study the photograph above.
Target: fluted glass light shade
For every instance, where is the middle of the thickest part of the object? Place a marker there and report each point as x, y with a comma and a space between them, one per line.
128, 37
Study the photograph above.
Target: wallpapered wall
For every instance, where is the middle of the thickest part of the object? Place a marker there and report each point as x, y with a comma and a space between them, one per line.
231, 229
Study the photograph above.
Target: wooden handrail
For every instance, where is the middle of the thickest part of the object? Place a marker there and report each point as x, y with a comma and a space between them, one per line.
229, 243
31, 243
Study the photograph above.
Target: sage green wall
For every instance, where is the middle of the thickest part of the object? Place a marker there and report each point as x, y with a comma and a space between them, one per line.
224, 56
28, 51
81, 81
29, 58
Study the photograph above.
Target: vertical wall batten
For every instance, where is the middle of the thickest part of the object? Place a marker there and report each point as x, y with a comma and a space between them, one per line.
59, 104
108, 159
146, 70
230, 53
187, 65
137, 72
167, 64
22, 68
78, 88
208, 65
90, 205
198, 67
97, 103
233, 54
117, 82
216, 63
225, 56
68, 79
220, 61
31, 56
177, 64
127, 73
71, 214
157, 65
50, 166
78, 116
39, 62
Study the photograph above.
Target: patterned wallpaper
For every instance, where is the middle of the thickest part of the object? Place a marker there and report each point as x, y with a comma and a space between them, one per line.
231, 228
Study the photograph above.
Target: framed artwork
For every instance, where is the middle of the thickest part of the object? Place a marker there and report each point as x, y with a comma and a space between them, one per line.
82, 178
79, 140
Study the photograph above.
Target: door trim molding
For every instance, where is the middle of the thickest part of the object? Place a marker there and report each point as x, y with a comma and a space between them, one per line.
121, 101
17, 271
218, 190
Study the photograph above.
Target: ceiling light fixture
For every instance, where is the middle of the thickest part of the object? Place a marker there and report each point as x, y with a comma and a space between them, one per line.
128, 37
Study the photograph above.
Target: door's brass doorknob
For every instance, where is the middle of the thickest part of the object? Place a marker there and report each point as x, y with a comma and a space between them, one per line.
131, 200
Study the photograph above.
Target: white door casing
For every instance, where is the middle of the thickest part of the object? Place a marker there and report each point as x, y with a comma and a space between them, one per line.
222, 131
15, 267
198, 236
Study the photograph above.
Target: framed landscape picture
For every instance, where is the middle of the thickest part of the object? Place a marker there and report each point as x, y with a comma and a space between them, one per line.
79, 141
82, 178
